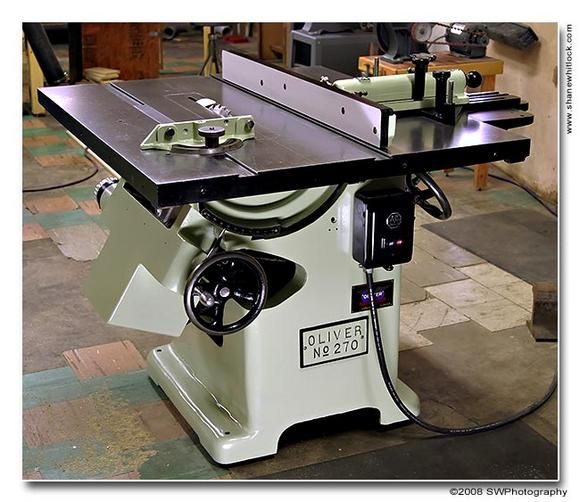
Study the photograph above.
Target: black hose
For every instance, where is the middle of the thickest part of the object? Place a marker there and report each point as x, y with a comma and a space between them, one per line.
68, 184
169, 32
62, 185
524, 188
42, 49
450, 431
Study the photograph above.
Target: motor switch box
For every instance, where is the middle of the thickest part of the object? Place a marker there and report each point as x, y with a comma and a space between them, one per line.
383, 223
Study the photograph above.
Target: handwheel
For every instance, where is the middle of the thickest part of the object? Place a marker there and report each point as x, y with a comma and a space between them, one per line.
422, 197
221, 278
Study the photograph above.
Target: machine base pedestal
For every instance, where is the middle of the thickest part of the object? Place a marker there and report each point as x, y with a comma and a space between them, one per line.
224, 437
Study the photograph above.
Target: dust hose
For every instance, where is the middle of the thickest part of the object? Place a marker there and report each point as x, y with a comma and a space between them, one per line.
42, 49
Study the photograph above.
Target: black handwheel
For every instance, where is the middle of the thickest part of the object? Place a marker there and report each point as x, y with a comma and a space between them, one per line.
433, 190
221, 278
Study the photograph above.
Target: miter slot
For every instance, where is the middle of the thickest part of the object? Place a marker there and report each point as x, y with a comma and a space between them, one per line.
365, 120
137, 103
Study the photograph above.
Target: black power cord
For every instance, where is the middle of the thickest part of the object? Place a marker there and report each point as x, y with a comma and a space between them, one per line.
526, 189
450, 431
64, 185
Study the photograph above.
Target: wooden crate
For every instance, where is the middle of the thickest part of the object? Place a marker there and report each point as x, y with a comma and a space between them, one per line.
132, 48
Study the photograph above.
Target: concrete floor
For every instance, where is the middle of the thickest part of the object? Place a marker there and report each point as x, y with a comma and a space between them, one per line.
467, 353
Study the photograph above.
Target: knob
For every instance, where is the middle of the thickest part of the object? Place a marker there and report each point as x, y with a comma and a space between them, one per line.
422, 57
421, 62
104, 189
473, 79
212, 135
441, 75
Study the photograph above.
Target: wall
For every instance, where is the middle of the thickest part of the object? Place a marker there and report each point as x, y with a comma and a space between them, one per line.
533, 75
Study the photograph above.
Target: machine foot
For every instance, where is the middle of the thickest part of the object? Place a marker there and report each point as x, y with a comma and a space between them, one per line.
408, 397
225, 439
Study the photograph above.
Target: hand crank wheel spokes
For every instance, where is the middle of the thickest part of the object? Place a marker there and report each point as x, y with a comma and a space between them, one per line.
433, 190
220, 278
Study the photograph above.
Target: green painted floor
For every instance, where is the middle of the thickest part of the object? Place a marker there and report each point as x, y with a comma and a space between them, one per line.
104, 436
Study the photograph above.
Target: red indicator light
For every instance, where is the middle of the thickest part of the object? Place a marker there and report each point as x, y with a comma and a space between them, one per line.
399, 242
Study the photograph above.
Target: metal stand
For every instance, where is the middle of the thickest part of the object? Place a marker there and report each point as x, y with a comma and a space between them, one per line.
212, 52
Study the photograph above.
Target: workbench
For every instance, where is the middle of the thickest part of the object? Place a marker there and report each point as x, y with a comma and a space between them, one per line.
487, 67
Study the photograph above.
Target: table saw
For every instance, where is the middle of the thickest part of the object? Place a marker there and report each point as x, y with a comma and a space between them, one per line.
246, 209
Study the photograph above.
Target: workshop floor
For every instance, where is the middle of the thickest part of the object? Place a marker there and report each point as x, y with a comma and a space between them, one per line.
90, 411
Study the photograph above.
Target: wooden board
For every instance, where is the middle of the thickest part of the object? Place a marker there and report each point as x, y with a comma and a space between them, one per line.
273, 41
132, 48
445, 61
103, 360
34, 79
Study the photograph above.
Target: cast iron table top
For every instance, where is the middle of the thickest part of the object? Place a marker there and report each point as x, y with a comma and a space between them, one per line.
289, 151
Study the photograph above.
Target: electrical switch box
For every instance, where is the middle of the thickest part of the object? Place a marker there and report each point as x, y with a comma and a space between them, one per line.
383, 223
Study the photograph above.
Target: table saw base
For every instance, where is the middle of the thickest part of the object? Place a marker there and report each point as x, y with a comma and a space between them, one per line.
241, 396
227, 439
